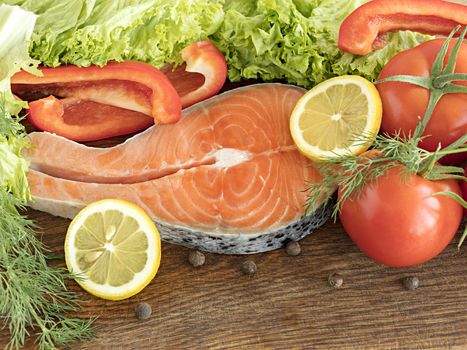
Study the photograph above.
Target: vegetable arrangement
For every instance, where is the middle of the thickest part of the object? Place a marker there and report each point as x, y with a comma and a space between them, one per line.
119, 98
33, 295
399, 180
295, 41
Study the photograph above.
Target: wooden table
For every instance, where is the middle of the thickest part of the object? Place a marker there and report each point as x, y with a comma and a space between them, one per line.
287, 304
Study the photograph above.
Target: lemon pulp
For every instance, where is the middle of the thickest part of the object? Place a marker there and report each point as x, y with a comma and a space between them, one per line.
115, 247
339, 116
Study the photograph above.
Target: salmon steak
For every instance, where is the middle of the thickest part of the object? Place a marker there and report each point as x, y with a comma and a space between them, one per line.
226, 178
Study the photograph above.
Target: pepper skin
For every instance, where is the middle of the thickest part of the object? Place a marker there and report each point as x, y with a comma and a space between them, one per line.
93, 103
364, 29
201, 76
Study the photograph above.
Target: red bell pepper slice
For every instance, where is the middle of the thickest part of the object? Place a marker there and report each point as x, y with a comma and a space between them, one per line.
98, 102
84, 120
201, 76
364, 29
120, 98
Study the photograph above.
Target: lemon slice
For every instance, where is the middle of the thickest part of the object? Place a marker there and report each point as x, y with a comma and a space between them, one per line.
115, 247
336, 117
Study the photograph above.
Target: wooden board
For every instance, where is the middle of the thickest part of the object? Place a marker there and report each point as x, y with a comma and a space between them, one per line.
287, 304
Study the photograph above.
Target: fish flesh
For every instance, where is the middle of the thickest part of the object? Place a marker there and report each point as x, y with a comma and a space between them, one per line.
257, 121
226, 178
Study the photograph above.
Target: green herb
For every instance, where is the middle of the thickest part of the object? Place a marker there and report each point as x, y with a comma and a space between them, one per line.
352, 173
33, 295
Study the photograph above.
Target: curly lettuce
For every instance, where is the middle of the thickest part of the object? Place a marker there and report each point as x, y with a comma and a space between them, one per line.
16, 28
84, 32
296, 41
289, 40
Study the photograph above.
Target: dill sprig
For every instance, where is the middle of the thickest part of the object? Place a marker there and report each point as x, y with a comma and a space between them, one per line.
351, 173
33, 295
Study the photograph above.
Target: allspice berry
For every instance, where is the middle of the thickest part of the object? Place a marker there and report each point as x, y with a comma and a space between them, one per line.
249, 267
196, 258
143, 311
411, 282
336, 280
293, 248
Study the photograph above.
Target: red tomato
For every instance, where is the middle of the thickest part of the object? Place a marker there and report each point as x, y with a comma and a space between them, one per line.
398, 222
403, 103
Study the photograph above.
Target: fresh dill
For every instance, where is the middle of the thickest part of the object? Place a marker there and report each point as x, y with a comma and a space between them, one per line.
33, 295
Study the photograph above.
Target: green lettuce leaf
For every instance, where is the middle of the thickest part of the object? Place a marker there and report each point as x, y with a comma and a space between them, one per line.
13, 166
296, 41
289, 40
85, 32
16, 28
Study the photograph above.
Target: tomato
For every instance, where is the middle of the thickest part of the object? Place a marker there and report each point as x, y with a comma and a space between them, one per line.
403, 103
398, 222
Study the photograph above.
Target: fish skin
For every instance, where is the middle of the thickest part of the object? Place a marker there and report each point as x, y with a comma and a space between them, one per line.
251, 243
215, 242
252, 205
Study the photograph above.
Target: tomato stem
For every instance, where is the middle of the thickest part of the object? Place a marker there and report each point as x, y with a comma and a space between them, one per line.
439, 82
462, 238
453, 88
452, 151
453, 195
443, 79
424, 82
435, 96
462, 202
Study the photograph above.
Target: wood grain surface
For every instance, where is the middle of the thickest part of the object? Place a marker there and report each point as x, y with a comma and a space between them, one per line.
287, 304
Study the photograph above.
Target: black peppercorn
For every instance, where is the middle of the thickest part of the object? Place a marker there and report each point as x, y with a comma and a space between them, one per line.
335, 280
249, 267
411, 282
196, 258
293, 248
143, 311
